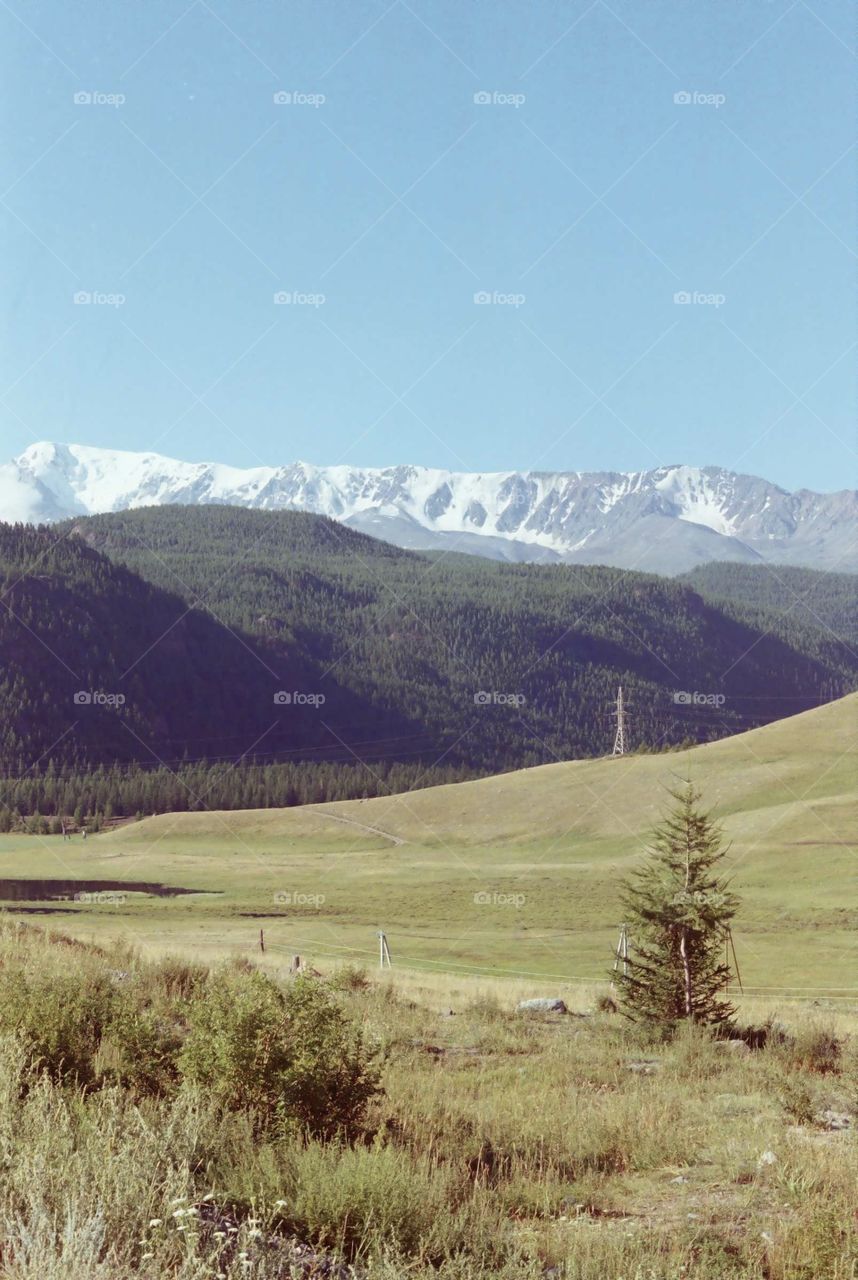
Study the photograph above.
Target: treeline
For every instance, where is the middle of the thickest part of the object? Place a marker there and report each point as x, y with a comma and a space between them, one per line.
42, 802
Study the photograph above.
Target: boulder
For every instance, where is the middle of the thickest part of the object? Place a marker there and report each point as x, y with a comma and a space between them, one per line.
738, 1048
542, 1004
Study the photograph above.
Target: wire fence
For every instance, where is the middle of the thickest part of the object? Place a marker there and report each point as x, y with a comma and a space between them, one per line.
420, 964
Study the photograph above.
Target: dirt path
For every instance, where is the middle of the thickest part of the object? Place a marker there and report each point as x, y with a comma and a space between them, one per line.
352, 822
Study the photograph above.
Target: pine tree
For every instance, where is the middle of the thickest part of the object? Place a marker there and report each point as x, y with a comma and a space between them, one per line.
679, 910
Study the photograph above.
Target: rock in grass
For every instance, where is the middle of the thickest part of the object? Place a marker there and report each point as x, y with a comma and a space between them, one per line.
835, 1120
644, 1066
542, 1004
737, 1047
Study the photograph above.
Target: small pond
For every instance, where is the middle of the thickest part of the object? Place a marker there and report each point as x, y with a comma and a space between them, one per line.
86, 891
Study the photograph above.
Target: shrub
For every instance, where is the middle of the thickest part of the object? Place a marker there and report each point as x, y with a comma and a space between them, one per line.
351, 1198
814, 1047
179, 979
795, 1098
139, 1050
818, 1048
350, 977
332, 1073
291, 1057
60, 1014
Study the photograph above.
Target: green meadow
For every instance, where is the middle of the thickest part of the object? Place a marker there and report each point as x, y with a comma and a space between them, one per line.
511, 876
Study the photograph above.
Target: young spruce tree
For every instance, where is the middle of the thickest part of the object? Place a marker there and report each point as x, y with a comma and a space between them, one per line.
678, 910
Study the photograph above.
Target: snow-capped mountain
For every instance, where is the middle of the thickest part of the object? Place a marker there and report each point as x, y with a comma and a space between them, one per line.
665, 520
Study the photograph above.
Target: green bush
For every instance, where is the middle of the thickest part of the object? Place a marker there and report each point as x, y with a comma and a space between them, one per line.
291, 1058
349, 977
139, 1050
60, 1013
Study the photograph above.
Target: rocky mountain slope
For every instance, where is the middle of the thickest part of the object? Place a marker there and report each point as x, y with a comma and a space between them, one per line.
665, 521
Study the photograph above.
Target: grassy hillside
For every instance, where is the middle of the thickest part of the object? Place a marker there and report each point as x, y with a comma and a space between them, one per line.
514, 874
809, 757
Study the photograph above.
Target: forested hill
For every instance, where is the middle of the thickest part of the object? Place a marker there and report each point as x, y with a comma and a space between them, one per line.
100, 666
199, 615
800, 598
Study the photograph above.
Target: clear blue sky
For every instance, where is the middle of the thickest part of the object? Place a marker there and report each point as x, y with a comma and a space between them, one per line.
597, 198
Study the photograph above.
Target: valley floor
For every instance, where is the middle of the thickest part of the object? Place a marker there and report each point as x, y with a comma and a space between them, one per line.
514, 876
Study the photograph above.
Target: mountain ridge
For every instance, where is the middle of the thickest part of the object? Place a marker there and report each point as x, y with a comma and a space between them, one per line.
666, 520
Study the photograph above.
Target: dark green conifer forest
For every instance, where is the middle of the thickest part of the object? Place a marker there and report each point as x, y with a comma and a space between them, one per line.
190, 657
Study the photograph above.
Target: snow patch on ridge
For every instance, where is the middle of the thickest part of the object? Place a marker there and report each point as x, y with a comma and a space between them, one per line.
696, 499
